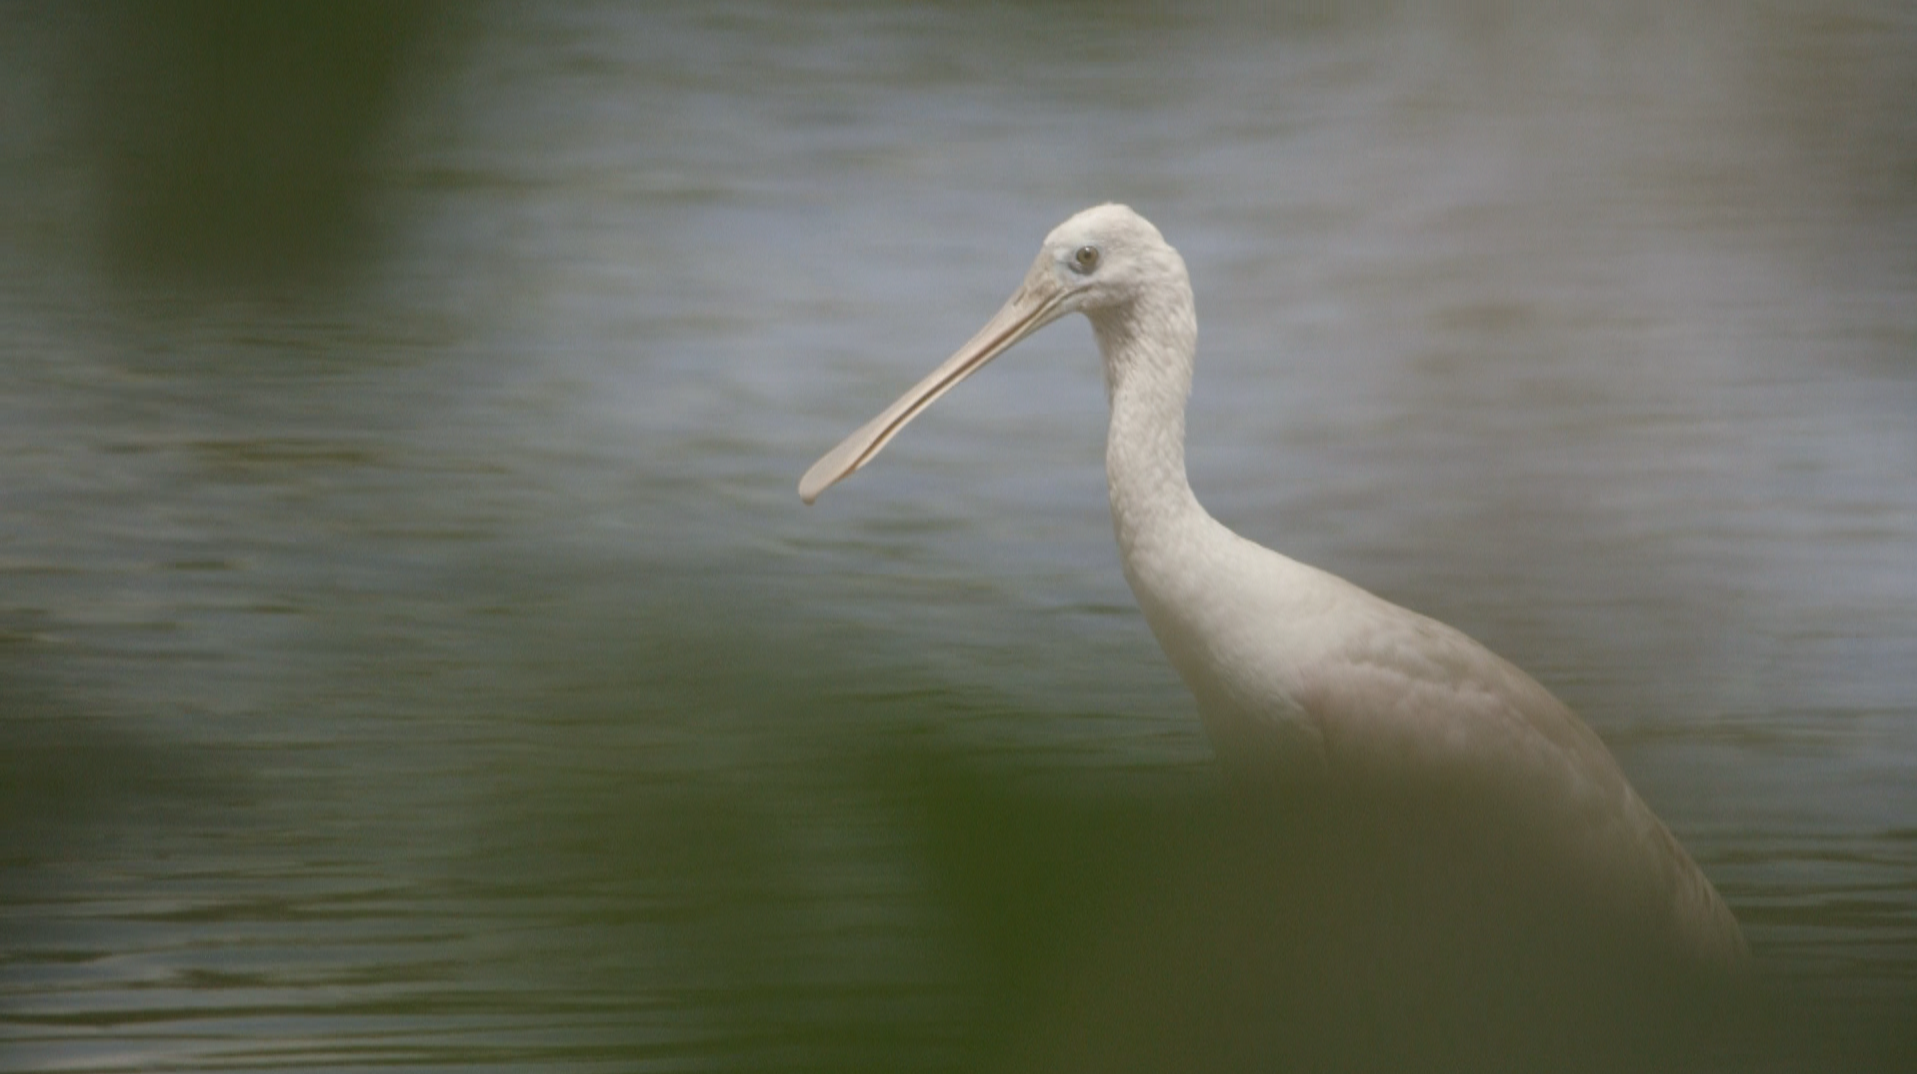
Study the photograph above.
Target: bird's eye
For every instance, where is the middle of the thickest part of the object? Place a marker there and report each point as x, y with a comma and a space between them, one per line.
1086, 259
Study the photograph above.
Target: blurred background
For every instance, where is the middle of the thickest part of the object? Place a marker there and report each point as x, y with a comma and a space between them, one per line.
413, 651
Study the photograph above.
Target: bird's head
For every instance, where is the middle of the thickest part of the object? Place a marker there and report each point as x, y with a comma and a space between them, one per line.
1100, 263
1102, 258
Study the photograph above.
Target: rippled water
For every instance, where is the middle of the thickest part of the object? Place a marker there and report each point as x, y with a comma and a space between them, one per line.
413, 651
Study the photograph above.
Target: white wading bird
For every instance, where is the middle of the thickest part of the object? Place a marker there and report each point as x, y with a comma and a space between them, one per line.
1314, 692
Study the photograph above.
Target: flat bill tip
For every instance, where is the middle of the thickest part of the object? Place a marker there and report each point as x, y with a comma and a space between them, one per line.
817, 480
835, 465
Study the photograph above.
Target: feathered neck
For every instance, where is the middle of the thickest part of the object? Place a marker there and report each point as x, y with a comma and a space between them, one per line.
1148, 344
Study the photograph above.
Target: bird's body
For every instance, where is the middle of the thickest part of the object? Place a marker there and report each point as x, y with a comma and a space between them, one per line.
1317, 695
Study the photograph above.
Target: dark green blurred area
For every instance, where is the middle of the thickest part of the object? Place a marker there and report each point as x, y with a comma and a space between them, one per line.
234, 140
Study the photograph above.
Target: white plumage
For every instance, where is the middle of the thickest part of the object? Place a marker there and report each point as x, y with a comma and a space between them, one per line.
1317, 696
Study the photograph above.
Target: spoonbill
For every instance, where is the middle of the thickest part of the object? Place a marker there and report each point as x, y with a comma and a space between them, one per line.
1314, 693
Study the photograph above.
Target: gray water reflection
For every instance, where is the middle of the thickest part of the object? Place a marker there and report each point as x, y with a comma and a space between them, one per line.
412, 650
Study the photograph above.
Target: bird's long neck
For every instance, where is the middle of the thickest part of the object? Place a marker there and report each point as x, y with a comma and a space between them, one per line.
1186, 568
1148, 346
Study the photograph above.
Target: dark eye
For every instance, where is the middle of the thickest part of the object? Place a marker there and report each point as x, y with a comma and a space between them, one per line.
1086, 259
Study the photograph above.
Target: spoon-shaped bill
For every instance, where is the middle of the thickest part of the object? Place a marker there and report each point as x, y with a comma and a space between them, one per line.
1031, 308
